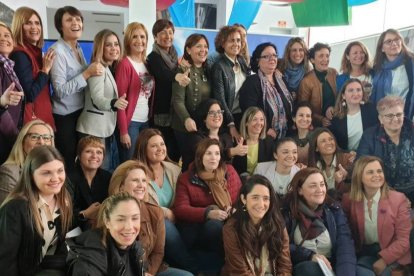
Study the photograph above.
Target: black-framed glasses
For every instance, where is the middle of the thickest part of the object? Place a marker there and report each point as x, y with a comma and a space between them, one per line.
269, 57
215, 113
34, 137
391, 116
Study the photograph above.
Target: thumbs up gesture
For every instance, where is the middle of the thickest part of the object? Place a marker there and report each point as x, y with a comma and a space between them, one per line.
183, 79
121, 103
340, 174
11, 97
240, 149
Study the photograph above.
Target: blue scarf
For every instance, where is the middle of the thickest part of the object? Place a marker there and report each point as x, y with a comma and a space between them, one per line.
293, 76
383, 79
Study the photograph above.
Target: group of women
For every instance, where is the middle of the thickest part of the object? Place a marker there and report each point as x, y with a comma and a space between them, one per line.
268, 151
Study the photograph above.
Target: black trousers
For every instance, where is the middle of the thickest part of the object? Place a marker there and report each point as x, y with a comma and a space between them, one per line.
66, 137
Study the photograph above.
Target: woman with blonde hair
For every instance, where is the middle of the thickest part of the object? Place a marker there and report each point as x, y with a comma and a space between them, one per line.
356, 64
36, 216
31, 66
132, 177
259, 146
101, 97
136, 85
34, 133
109, 251
295, 63
379, 218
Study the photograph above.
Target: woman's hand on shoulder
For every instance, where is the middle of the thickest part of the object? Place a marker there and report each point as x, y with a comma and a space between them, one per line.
48, 59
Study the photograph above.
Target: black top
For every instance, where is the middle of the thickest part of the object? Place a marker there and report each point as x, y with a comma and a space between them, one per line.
20, 244
88, 256
84, 195
265, 154
164, 78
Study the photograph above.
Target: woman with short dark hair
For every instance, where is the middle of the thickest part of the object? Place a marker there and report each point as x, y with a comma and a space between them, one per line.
319, 85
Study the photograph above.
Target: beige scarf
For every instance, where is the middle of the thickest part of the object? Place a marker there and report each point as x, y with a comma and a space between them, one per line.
217, 183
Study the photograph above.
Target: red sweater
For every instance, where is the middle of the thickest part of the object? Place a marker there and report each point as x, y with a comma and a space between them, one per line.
129, 83
192, 199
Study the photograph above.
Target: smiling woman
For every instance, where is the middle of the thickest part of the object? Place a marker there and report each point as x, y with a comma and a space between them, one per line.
36, 216
90, 181
111, 247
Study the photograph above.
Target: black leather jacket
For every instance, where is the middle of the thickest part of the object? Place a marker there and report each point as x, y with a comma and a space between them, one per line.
87, 256
224, 84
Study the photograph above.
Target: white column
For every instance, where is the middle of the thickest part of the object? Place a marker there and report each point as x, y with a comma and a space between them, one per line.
143, 11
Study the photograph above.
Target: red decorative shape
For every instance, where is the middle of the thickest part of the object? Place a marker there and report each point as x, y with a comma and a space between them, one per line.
164, 4
161, 4
119, 3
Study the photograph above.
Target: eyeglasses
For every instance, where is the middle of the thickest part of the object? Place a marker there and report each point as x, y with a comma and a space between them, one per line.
391, 116
34, 137
389, 42
269, 57
215, 113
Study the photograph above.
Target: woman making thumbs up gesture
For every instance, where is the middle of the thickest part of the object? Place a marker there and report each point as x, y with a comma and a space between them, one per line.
185, 100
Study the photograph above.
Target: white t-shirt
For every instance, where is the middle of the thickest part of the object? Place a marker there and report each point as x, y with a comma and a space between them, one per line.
355, 130
147, 83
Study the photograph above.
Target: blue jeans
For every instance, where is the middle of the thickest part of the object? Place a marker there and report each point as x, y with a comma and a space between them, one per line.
176, 253
134, 129
170, 271
111, 160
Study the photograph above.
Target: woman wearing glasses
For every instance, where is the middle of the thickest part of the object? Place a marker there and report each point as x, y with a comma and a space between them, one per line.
393, 142
209, 120
34, 133
268, 90
393, 70
185, 100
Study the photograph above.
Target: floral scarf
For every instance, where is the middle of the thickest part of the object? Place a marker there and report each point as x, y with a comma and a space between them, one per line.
8, 65
273, 98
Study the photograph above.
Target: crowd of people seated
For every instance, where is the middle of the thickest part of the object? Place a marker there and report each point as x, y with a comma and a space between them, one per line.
147, 163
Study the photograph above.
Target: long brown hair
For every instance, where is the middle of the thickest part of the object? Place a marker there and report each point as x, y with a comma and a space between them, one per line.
141, 146
380, 56
314, 156
26, 189
285, 61
341, 110
272, 224
201, 150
